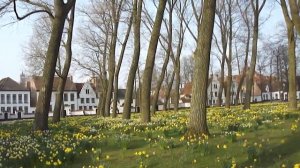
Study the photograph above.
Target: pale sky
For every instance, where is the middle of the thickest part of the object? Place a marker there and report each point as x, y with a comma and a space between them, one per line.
14, 37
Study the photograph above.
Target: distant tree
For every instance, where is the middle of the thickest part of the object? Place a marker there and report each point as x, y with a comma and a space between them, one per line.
187, 64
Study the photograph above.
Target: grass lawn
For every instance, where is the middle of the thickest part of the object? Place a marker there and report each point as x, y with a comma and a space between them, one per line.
266, 136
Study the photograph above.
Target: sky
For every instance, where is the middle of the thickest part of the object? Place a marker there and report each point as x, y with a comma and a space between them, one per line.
14, 37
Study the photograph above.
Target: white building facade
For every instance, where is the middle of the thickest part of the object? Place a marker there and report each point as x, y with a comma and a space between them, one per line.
13, 98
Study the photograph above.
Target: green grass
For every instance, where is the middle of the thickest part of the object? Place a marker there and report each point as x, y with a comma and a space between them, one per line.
266, 136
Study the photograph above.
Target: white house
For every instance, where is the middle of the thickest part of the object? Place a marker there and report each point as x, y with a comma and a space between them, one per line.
87, 97
34, 83
13, 97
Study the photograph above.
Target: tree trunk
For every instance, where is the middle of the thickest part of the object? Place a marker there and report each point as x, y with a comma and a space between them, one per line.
111, 59
63, 77
221, 88
229, 60
168, 92
114, 111
198, 121
159, 82
249, 84
137, 9
147, 76
292, 57
43, 103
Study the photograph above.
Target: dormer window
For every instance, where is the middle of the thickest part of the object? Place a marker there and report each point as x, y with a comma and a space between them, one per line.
215, 86
87, 91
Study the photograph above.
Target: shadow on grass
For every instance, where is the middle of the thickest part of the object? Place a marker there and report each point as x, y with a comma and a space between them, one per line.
277, 154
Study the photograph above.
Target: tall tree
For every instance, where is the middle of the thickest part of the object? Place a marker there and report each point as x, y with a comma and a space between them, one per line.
58, 107
256, 8
295, 13
292, 54
116, 80
198, 121
61, 10
147, 75
169, 28
245, 18
115, 14
136, 12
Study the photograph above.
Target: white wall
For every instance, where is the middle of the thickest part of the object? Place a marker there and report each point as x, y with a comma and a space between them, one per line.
18, 104
89, 97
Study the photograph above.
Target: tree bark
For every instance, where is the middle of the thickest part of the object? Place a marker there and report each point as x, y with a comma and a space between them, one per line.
65, 72
256, 10
221, 81
114, 111
137, 10
147, 76
43, 103
229, 60
198, 121
112, 55
168, 93
292, 57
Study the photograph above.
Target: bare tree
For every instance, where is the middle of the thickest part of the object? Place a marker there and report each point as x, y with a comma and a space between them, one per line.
291, 49
116, 7
147, 75
198, 122
256, 8
116, 83
59, 105
246, 40
136, 12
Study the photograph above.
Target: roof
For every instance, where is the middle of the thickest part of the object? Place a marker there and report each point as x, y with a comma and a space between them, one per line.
38, 81
8, 84
79, 86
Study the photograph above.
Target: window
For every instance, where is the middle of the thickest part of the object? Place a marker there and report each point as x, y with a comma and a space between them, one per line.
20, 108
267, 97
82, 100
20, 98
84, 107
26, 109
87, 91
14, 99
91, 107
2, 99
93, 100
9, 109
215, 86
14, 109
216, 94
65, 97
72, 107
80, 107
25, 98
2, 109
276, 96
72, 97
87, 100
8, 101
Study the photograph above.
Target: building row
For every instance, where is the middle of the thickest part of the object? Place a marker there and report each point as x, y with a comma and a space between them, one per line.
265, 88
22, 97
